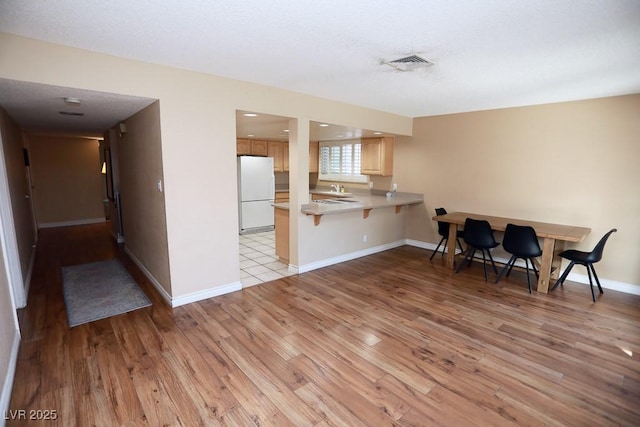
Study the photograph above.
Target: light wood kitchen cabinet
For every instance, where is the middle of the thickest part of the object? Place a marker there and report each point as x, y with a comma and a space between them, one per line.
282, 196
251, 147
259, 148
285, 156
275, 151
243, 147
377, 156
279, 150
282, 234
314, 149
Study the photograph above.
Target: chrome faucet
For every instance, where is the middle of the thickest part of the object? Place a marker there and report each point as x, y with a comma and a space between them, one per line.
335, 187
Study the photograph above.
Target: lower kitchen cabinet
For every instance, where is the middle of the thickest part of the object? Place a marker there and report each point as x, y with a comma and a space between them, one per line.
282, 196
282, 234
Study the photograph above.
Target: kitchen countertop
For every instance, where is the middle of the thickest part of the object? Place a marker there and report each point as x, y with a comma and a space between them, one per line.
362, 201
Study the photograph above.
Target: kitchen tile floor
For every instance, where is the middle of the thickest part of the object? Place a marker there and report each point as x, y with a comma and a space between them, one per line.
258, 260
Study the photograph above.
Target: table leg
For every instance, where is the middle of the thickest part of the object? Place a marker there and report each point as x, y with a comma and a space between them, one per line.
556, 262
451, 245
545, 265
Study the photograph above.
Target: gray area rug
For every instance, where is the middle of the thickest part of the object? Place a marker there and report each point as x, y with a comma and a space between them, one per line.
99, 290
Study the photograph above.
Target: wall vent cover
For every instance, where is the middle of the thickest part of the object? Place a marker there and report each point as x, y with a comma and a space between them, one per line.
409, 63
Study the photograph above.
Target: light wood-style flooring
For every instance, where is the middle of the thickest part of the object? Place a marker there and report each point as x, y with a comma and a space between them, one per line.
388, 339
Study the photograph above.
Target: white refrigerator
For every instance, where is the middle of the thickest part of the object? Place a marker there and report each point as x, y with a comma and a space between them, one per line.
256, 193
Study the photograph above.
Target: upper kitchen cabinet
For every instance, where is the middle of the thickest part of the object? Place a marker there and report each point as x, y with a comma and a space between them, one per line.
377, 156
314, 149
259, 148
276, 150
243, 147
285, 157
251, 147
279, 150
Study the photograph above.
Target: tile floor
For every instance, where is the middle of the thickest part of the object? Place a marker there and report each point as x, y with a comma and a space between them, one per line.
258, 260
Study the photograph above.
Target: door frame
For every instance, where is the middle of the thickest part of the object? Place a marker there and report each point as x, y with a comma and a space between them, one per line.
8, 238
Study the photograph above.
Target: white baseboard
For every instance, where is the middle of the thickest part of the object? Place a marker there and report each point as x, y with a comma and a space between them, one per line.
347, 257
184, 299
27, 282
70, 223
233, 287
628, 288
163, 293
205, 294
7, 387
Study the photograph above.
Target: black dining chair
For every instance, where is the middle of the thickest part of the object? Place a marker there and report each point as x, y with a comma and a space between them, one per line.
443, 231
587, 259
521, 242
478, 236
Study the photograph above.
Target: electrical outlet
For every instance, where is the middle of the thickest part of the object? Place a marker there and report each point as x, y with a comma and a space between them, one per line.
365, 238
370, 184
394, 187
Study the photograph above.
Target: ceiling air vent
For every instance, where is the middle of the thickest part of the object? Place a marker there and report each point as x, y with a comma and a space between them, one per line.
409, 63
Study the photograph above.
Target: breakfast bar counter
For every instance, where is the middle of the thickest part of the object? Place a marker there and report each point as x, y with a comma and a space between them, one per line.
358, 202
338, 203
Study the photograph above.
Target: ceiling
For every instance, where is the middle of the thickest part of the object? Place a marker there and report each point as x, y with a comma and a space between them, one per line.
42, 108
486, 54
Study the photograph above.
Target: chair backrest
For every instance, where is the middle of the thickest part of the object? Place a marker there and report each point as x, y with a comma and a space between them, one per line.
443, 227
521, 240
478, 233
596, 253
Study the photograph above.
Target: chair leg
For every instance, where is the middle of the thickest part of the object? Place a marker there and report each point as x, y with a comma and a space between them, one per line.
484, 265
495, 270
511, 266
562, 278
596, 276
506, 267
526, 264
466, 257
535, 270
437, 247
593, 295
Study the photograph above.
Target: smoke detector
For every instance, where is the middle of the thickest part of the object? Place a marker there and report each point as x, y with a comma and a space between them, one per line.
409, 63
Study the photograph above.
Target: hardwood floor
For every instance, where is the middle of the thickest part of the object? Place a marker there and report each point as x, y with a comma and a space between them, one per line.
388, 339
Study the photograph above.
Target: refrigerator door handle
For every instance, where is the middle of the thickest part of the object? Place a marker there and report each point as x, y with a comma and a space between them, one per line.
273, 186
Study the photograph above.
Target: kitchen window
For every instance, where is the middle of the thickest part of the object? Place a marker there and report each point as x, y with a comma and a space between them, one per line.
340, 161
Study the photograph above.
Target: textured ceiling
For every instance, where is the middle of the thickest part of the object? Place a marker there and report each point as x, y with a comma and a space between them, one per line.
487, 53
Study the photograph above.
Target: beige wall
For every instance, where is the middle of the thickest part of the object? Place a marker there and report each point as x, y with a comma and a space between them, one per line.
139, 154
457, 161
197, 114
66, 179
12, 146
573, 163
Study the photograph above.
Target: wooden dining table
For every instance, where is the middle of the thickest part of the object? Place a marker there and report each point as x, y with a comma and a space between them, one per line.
554, 237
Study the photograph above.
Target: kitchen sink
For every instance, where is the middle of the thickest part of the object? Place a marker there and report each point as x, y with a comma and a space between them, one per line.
327, 202
332, 193
334, 201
